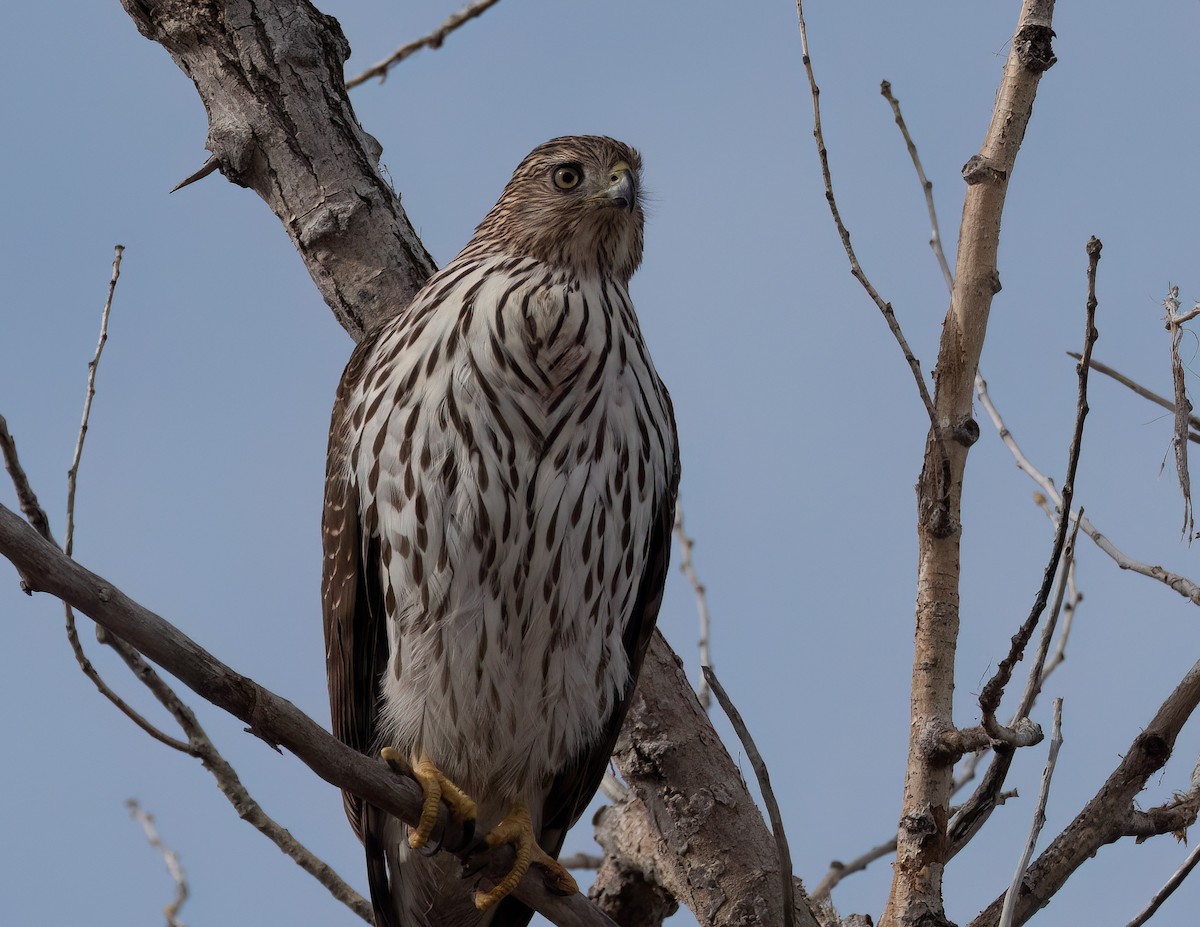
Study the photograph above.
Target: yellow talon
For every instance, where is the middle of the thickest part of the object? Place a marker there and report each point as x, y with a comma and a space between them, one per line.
517, 829
436, 788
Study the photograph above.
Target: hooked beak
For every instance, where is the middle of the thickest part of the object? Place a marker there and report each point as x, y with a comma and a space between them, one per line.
622, 190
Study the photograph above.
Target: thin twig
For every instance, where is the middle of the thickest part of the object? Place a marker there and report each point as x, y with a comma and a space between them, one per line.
688, 569
208, 167
1142, 391
93, 366
856, 270
170, 857
1073, 596
1039, 819
274, 719
85, 664
1167, 890
26, 497
839, 870
768, 794
1183, 407
198, 743
433, 40
935, 235
1038, 671
581, 861
1181, 584
993, 690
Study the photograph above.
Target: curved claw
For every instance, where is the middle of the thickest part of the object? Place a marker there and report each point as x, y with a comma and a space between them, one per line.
436, 788
516, 830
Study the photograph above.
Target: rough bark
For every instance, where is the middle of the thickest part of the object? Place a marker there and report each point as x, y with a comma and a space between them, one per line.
922, 844
270, 76
271, 79
715, 852
273, 719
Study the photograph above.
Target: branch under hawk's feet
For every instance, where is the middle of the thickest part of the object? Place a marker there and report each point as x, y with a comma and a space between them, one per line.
516, 830
436, 788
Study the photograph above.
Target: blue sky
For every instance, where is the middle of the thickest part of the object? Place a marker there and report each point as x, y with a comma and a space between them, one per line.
801, 432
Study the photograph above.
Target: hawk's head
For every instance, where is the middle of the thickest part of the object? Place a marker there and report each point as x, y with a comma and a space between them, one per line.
574, 202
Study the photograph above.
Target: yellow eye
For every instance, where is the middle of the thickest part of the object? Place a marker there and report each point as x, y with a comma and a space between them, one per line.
567, 176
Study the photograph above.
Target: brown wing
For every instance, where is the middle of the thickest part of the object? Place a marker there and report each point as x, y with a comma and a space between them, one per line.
356, 647
573, 787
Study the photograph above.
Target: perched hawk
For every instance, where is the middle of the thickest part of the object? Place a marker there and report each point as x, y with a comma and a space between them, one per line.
498, 509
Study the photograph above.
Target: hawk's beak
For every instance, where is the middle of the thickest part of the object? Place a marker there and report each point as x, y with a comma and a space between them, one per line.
622, 190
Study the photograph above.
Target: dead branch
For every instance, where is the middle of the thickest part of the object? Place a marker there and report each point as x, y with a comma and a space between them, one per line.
758, 764
1193, 421
92, 368
856, 270
976, 810
274, 720
935, 235
688, 568
433, 40
1167, 890
170, 858
1183, 407
1181, 584
26, 497
270, 75
1105, 818
303, 152
993, 690
1039, 818
696, 804
923, 844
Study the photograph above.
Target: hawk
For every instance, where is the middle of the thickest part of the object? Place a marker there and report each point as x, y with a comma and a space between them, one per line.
499, 501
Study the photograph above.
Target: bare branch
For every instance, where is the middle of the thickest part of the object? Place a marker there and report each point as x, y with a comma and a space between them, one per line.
993, 690
923, 841
1106, 816
764, 783
433, 40
1181, 584
307, 156
1039, 818
839, 870
581, 861
93, 366
856, 270
697, 804
1167, 890
1038, 670
688, 569
273, 719
26, 497
1183, 407
200, 746
1108, 371
935, 235
170, 857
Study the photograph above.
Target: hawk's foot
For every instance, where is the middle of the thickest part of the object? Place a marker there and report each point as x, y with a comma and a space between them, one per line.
436, 788
517, 830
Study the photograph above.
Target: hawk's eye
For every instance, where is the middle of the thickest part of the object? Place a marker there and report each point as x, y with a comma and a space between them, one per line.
567, 176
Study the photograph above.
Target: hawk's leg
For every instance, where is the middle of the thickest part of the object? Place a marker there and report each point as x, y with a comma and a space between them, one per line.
517, 829
437, 788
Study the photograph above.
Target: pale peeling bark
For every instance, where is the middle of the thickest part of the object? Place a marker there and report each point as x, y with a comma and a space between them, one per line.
270, 76
922, 845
